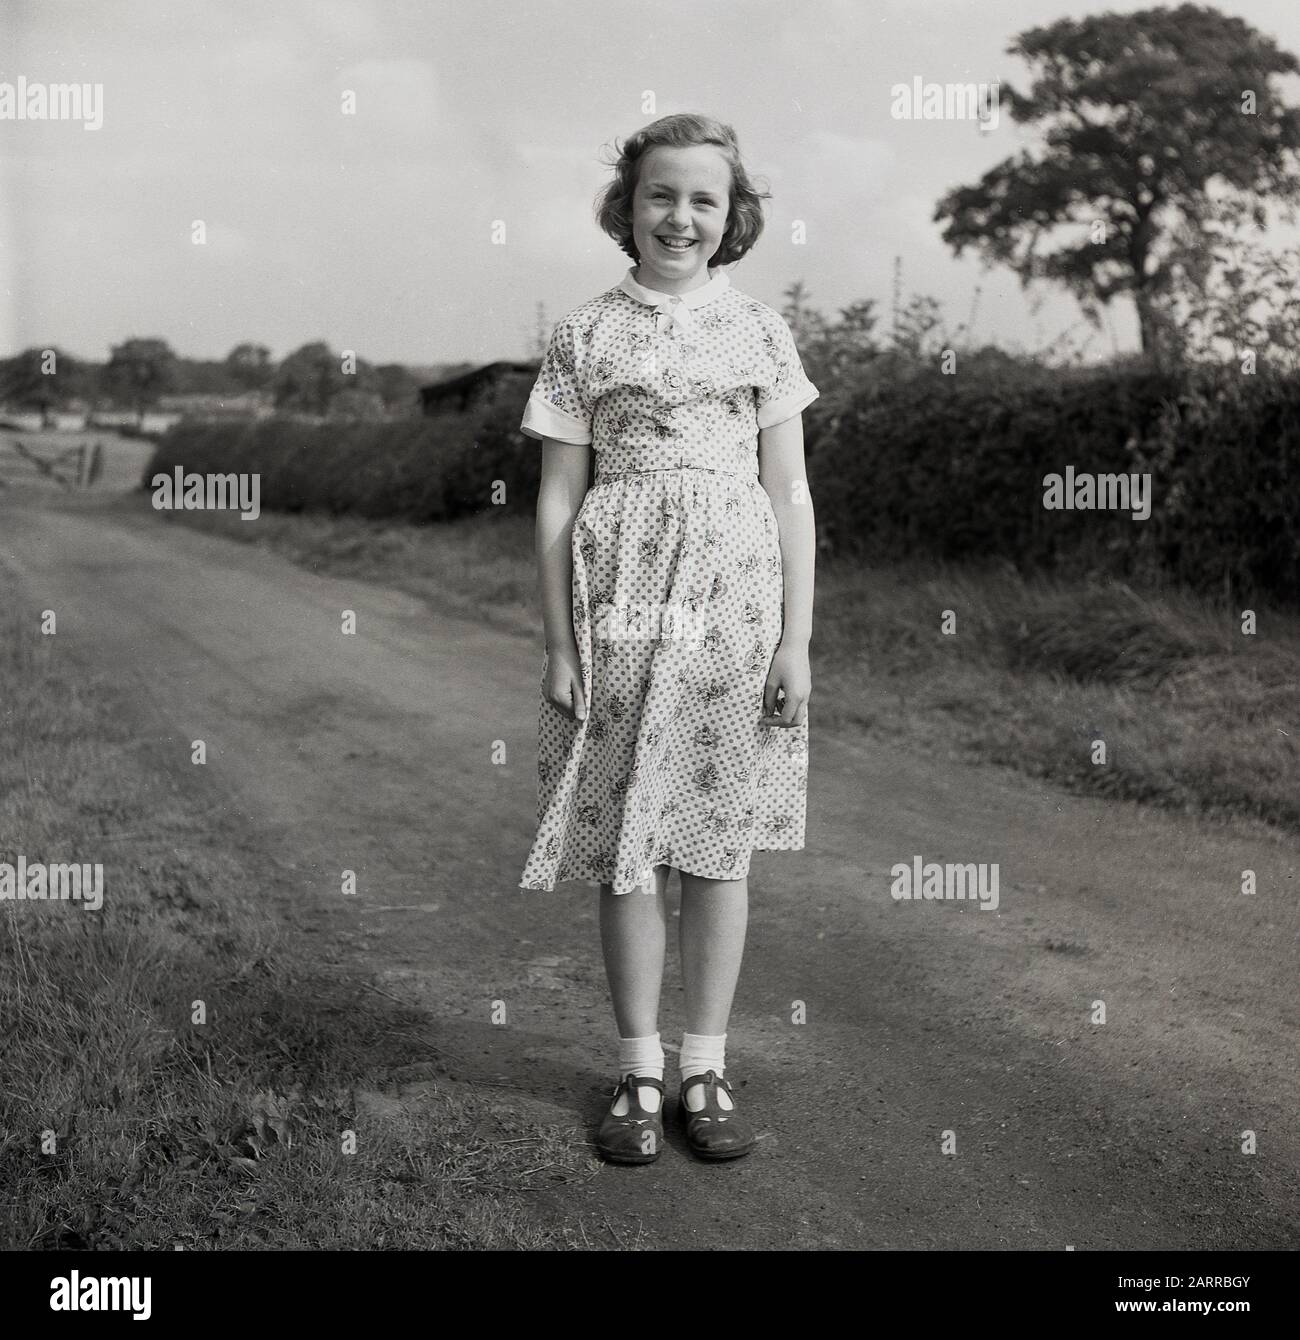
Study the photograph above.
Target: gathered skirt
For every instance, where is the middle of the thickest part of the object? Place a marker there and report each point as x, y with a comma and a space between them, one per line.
678, 600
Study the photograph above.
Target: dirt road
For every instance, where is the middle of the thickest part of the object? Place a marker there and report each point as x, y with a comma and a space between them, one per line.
375, 752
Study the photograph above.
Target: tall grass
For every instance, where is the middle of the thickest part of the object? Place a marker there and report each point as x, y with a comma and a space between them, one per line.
1195, 715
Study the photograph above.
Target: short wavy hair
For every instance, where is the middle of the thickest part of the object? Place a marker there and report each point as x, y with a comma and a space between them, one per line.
681, 131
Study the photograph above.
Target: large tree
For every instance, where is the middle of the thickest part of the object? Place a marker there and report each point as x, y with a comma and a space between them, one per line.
139, 370
309, 378
1144, 116
250, 365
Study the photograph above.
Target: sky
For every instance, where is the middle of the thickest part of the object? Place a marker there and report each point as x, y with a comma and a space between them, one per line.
428, 226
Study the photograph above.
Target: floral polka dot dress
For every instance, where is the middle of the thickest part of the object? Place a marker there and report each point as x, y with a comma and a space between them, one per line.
678, 595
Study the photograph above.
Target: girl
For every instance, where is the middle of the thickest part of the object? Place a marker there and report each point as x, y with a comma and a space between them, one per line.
677, 599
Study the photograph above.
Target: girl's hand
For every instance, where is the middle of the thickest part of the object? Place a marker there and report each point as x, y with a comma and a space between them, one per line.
791, 676
564, 681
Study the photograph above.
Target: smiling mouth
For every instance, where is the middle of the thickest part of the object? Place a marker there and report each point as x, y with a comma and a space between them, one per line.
670, 242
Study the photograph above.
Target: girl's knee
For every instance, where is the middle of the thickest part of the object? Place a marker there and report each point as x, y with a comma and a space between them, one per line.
706, 885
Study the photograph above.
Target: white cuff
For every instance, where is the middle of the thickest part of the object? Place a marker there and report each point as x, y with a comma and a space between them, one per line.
542, 420
778, 411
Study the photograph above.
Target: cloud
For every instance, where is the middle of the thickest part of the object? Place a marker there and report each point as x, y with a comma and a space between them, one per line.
847, 168
398, 99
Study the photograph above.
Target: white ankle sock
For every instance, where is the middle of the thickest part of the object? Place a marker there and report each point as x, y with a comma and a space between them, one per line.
640, 1056
701, 1052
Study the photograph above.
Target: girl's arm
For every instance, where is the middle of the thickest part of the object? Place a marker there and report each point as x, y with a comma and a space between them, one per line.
781, 472
564, 485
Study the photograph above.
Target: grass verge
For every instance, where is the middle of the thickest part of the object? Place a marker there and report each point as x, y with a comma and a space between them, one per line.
125, 1122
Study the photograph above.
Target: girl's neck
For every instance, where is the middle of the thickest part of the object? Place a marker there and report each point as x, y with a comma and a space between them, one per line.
671, 293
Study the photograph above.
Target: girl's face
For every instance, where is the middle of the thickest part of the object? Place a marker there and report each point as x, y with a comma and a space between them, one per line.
680, 193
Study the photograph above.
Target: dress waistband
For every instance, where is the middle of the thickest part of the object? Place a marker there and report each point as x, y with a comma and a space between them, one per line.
601, 476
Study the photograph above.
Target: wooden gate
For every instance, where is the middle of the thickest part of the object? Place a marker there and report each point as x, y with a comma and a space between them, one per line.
71, 467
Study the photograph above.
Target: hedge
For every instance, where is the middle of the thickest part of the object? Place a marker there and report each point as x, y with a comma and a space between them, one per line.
902, 460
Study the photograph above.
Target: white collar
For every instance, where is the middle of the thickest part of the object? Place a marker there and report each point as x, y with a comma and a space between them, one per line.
676, 305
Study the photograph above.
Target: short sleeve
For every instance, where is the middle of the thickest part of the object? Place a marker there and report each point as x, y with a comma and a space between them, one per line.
784, 389
557, 406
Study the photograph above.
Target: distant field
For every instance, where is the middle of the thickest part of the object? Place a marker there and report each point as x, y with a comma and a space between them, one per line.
124, 458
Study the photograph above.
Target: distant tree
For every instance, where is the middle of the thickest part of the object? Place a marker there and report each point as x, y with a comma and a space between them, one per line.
354, 403
804, 320
250, 366
309, 378
835, 349
856, 326
396, 385
140, 370
205, 376
916, 321
34, 380
1143, 114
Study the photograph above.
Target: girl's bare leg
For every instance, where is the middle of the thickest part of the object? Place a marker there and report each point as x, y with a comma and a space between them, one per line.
633, 935
715, 916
